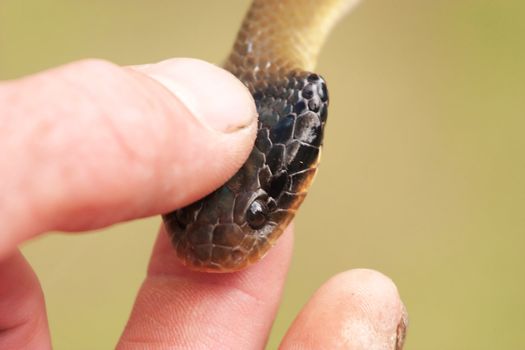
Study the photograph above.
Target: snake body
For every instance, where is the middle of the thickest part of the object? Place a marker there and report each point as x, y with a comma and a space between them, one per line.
275, 50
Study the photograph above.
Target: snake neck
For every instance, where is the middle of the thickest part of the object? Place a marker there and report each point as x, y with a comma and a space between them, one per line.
279, 36
276, 48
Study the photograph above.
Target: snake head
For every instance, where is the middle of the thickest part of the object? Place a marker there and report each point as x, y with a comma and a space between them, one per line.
236, 225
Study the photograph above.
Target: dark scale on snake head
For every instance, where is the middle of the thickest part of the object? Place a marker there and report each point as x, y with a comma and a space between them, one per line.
237, 224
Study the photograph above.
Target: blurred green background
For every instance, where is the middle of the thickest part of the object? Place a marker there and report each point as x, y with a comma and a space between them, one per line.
422, 175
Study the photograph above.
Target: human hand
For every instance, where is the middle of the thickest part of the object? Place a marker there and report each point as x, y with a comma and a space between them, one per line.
91, 144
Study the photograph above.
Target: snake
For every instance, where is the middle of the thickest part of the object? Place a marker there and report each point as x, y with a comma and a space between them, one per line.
274, 54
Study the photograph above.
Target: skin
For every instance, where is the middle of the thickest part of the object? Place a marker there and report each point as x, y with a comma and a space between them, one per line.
68, 135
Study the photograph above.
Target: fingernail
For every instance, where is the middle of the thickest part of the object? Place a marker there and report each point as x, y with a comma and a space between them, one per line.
213, 95
401, 331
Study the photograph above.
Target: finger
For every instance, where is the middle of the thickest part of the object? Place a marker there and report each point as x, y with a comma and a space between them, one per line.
357, 309
23, 321
180, 309
91, 143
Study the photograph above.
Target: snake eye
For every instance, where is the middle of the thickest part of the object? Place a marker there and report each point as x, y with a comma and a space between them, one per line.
257, 214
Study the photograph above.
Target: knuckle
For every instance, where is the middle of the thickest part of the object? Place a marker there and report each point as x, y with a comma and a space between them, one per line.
96, 65
97, 75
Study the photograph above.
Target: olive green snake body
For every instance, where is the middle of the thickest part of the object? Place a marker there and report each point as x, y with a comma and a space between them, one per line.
275, 50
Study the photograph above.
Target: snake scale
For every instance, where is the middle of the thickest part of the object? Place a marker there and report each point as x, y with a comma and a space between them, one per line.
276, 48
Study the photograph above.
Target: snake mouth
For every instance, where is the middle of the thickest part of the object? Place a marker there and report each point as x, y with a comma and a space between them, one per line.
231, 249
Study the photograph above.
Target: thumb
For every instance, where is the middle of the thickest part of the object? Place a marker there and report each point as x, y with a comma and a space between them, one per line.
90, 143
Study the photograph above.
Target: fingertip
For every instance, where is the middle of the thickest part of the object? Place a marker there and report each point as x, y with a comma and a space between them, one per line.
214, 96
374, 295
373, 291
358, 309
